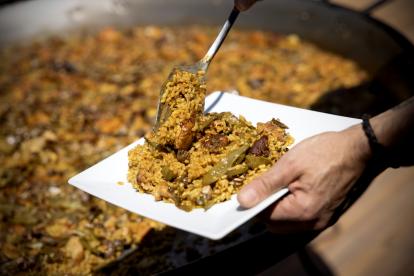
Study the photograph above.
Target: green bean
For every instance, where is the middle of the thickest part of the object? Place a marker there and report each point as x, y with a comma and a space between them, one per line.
223, 165
254, 161
167, 173
237, 170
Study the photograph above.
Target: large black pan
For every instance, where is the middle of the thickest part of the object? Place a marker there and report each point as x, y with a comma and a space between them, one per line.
382, 51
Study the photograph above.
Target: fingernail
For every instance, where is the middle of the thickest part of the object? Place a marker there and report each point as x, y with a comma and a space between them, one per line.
248, 197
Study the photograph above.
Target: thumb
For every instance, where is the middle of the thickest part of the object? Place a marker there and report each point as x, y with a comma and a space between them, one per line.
243, 5
258, 189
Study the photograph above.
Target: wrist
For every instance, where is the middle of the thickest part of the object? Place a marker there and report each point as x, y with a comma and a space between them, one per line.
359, 143
368, 147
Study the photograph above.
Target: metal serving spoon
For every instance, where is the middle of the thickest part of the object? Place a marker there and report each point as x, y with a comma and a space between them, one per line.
201, 65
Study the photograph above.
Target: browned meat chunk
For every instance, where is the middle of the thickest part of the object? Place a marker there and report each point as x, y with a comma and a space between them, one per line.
215, 142
161, 192
182, 155
140, 179
260, 147
273, 127
185, 137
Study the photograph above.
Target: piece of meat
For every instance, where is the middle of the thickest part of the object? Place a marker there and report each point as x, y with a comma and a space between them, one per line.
215, 142
161, 191
185, 137
74, 249
139, 178
260, 147
273, 127
182, 155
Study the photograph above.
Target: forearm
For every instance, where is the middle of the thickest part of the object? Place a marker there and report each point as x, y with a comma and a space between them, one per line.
395, 131
395, 125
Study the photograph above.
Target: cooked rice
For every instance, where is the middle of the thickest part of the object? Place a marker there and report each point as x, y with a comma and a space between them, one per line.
182, 100
195, 160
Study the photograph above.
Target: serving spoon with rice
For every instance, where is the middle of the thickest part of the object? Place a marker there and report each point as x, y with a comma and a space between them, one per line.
200, 66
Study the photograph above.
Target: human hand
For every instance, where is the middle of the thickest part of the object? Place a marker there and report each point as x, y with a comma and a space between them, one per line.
243, 5
318, 172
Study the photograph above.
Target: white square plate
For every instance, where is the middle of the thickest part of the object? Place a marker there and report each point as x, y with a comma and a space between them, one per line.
101, 179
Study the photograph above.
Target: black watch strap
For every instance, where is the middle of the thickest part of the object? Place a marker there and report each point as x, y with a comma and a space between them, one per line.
379, 152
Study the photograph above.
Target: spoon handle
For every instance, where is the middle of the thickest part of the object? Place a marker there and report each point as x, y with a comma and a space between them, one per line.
220, 38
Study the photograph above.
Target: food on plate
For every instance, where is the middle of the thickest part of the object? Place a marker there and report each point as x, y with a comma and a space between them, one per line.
196, 160
225, 153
